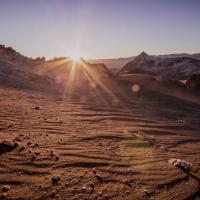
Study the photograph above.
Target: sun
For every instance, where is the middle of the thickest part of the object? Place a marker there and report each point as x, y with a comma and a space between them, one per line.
75, 56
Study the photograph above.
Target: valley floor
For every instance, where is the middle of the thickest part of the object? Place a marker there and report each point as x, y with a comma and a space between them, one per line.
99, 148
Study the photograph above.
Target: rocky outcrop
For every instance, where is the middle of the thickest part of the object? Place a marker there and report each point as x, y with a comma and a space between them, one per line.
174, 68
8, 54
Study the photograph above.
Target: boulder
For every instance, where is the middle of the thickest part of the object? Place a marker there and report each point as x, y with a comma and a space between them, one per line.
7, 146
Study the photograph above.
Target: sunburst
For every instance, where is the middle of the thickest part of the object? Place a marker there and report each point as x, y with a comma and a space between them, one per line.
75, 56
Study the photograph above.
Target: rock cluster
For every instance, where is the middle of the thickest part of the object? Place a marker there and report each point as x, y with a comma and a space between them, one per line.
182, 164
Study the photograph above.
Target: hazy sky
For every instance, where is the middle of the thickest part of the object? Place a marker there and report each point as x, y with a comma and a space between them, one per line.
100, 28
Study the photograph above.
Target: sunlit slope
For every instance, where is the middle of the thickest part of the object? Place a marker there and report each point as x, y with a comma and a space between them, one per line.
58, 75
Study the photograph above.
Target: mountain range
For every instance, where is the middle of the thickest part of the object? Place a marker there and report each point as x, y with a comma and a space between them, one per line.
60, 74
115, 64
167, 68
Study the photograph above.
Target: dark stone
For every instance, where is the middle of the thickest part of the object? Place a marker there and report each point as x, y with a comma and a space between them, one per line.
55, 180
7, 146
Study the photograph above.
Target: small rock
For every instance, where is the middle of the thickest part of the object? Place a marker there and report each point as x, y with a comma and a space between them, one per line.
22, 148
7, 146
100, 193
10, 125
37, 108
180, 121
128, 192
37, 153
57, 196
36, 145
51, 152
30, 151
99, 178
8, 143
92, 186
16, 143
55, 180
6, 188
54, 156
3, 196
84, 188
33, 157
53, 194
81, 177
21, 135
146, 191
182, 164
18, 139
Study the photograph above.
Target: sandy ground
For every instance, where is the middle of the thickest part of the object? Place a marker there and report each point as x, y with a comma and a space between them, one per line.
95, 147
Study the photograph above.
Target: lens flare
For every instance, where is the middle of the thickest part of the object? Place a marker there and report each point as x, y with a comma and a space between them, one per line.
75, 56
135, 88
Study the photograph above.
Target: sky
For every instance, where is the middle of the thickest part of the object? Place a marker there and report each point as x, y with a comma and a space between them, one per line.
100, 28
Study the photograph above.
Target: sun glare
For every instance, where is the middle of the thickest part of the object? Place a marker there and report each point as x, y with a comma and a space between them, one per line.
75, 56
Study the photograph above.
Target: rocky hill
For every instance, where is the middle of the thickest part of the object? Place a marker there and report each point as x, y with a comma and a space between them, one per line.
53, 75
9, 55
167, 68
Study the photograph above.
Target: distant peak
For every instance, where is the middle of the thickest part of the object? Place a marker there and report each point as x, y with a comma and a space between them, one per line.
143, 54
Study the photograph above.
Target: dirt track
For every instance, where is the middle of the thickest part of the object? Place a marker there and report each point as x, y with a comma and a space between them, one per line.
96, 148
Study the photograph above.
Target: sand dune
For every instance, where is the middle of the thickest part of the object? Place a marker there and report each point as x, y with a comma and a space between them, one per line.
93, 148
